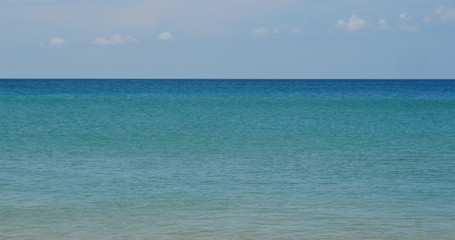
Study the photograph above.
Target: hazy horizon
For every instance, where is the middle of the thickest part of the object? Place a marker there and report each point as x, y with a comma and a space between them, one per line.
237, 39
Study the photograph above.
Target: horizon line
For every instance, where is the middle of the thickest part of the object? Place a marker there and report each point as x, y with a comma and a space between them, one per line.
108, 78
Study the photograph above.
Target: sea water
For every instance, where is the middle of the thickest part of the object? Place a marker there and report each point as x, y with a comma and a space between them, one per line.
227, 159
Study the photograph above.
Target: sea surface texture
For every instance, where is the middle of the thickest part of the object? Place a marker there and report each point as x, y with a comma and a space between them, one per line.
227, 159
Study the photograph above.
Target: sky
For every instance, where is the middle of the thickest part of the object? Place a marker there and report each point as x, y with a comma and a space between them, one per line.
227, 39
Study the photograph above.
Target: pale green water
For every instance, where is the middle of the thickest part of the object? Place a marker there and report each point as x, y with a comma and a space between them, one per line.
224, 159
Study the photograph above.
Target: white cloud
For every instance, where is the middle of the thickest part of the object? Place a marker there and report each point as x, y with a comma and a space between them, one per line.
114, 39
56, 41
262, 32
296, 30
130, 38
165, 36
405, 16
204, 17
410, 28
444, 12
383, 24
427, 19
102, 41
406, 23
355, 23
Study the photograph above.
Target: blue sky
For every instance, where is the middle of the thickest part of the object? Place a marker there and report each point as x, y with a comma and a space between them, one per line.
227, 38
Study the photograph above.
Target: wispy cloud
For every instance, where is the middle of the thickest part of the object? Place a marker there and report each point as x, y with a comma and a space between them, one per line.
165, 36
383, 24
407, 23
144, 15
259, 32
296, 30
262, 31
404, 16
427, 19
410, 28
355, 23
113, 40
444, 12
57, 41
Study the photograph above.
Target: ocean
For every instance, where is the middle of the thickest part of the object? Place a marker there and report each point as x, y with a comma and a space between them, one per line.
227, 159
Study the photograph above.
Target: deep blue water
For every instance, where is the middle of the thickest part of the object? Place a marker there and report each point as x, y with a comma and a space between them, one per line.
227, 159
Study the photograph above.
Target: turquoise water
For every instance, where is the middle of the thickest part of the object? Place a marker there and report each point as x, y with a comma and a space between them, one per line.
227, 159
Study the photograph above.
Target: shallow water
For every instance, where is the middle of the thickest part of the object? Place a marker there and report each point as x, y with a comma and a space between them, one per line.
227, 159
